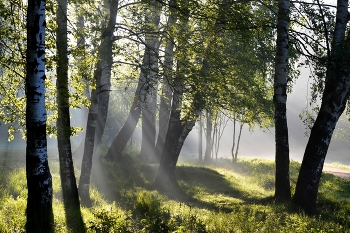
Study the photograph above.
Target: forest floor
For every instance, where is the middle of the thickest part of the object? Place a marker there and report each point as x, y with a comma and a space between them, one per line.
342, 173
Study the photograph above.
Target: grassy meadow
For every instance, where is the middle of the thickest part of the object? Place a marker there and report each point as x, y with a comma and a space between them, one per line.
219, 198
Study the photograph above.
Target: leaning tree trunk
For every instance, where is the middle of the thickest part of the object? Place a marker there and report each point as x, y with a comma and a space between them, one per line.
146, 80
102, 72
282, 184
39, 181
68, 181
177, 132
177, 129
334, 99
165, 98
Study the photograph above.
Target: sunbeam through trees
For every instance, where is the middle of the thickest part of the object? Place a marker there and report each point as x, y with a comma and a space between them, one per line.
138, 116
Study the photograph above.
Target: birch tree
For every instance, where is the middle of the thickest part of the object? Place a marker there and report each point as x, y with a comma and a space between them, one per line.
39, 181
282, 185
104, 66
209, 142
204, 82
334, 99
149, 103
99, 99
68, 180
145, 83
166, 96
176, 134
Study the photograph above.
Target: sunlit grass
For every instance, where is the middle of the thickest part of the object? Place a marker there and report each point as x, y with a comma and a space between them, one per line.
338, 165
222, 197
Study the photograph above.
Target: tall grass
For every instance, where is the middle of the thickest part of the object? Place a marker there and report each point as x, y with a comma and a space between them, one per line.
222, 197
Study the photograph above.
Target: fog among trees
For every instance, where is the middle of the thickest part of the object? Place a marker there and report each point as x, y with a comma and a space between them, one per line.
94, 85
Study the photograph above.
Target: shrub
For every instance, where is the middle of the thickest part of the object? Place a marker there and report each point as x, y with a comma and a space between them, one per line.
152, 217
110, 220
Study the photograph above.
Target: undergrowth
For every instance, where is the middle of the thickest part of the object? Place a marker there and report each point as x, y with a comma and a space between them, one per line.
222, 197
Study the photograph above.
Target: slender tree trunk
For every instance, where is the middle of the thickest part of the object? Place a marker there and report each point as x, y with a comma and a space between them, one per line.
334, 99
215, 138
102, 76
165, 98
146, 82
68, 181
120, 141
238, 140
177, 129
200, 141
86, 164
148, 143
221, 123
174, 141
282, 185
175, 138
39, 181
208, 149
164, 114
104, 69
82, 70
149, 104
234, 159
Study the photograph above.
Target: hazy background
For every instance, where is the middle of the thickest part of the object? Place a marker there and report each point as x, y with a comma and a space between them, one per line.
256, 143
261, 142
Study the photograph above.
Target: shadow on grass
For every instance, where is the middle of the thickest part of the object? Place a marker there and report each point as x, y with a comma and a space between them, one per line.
333, 199
194, 180
128, 176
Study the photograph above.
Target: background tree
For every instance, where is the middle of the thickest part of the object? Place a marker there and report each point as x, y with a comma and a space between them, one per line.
149, 101
176, 134
166, 95
220, 123
200, 138
209, 142
239, 117
68, 180
39, 181
99, 99
145, 84
206, 73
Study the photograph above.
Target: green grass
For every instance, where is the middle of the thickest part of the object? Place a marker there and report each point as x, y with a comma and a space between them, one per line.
217, 198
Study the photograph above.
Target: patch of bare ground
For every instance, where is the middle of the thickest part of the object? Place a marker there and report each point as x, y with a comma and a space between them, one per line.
342, 173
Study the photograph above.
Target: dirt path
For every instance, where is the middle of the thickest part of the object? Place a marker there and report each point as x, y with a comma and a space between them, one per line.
342, 173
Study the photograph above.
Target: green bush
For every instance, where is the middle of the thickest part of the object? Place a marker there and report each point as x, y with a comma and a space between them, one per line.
110, 220
153, 218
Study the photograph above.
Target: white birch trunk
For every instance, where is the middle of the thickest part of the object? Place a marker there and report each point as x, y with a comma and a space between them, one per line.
334, 99
282, 185
165, 98
39, 182
99, 104
146, 83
